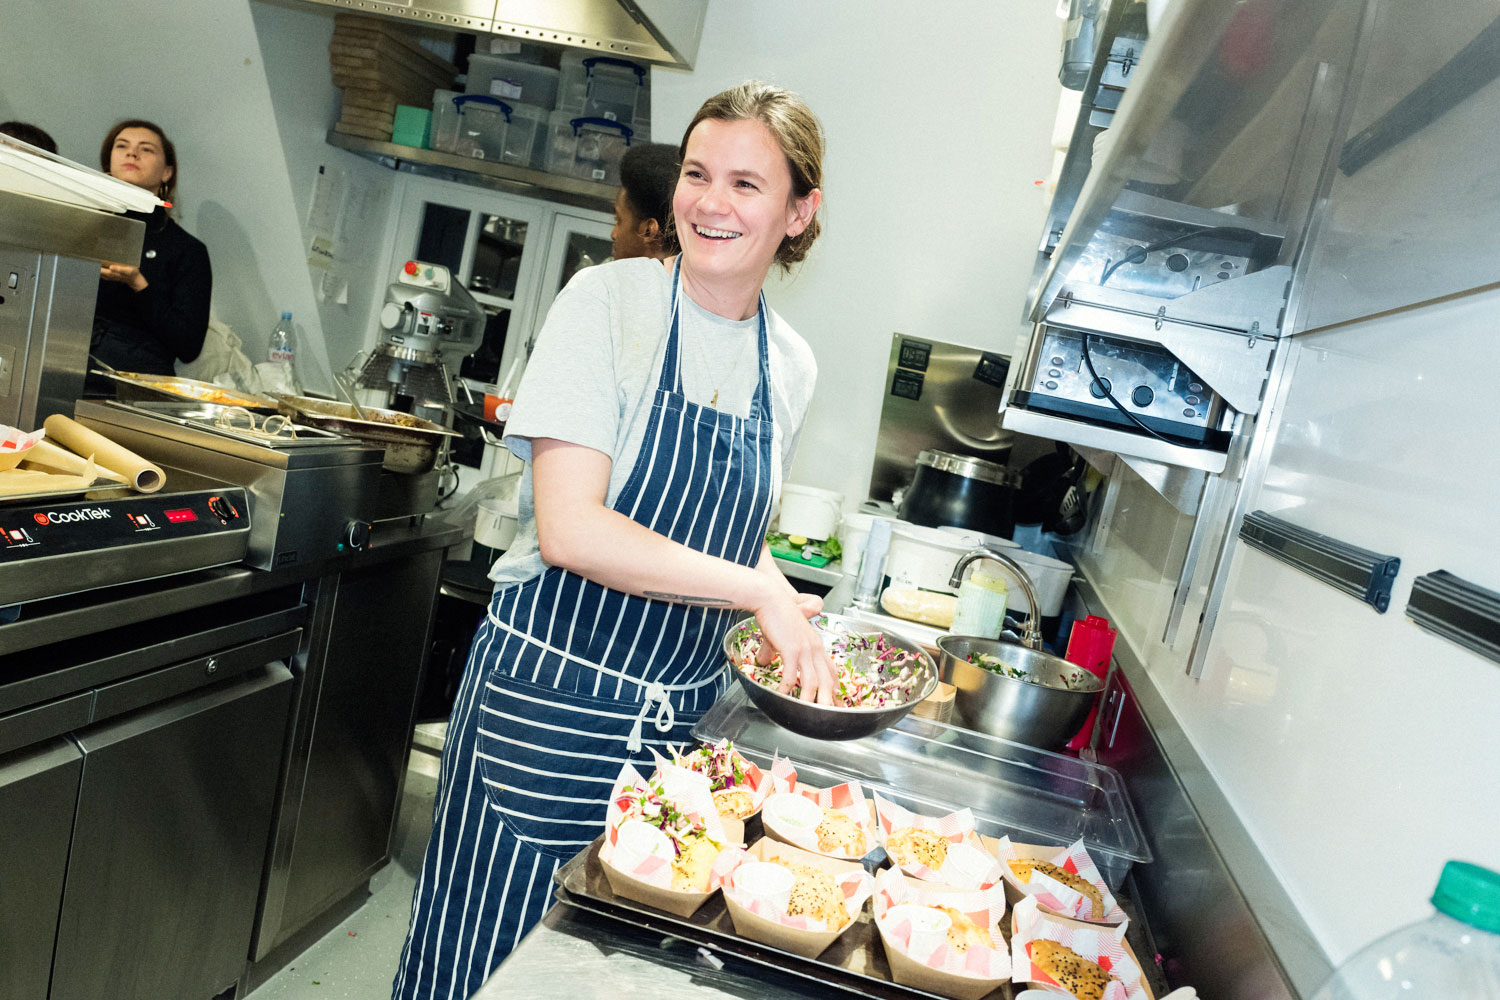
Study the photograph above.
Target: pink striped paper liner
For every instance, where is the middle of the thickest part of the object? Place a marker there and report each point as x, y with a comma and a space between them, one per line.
783, 776
849, 799
759, 781
985, 907
1063, 899
15, 439
699, 804
1104, 945
956, 828
855, 885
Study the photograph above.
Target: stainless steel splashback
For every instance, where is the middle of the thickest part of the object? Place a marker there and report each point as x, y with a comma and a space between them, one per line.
49, 277
940, 396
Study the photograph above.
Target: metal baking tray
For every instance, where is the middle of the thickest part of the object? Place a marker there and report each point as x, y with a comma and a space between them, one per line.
134, 386
855, 962
1033, 796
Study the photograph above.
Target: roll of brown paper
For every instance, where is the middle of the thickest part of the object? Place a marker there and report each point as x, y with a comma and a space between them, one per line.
45, 456
139, 474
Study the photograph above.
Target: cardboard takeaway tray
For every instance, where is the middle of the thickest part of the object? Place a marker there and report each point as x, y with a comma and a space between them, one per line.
855, 962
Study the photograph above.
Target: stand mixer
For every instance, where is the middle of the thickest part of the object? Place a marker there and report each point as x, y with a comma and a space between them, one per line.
428, 321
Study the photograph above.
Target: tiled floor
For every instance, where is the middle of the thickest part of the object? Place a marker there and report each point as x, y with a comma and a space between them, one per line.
357, 959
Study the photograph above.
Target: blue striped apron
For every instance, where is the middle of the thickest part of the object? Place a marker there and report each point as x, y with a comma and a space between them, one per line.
567, 680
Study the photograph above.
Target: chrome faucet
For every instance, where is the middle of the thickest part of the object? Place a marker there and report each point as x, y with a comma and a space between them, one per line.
1031, 636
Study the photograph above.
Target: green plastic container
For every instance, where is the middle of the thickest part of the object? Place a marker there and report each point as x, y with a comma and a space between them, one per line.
413, 127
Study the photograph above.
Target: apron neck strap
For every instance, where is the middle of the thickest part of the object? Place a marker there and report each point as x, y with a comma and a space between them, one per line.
670, 379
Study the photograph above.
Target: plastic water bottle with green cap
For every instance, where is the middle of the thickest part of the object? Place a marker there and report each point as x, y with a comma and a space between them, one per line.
1453, 954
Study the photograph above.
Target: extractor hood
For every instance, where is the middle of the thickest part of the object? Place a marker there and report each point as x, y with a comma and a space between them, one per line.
665, 32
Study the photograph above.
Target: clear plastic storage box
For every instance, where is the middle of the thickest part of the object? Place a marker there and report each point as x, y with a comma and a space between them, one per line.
590, 148
594, 86
526, 139
1033, 796
470, 125
512, 81
488, 128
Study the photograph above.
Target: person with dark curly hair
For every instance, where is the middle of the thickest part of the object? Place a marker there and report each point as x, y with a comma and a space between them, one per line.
150, 314
643, 205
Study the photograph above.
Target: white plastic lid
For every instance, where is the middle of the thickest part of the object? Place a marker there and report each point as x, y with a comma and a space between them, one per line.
812, 491
1027, 557
957, 541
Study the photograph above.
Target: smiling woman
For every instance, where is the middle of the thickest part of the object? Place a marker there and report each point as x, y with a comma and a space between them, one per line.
149, 314
659, 412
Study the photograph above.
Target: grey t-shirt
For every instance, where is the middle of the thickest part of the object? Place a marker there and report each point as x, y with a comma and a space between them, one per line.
592, 377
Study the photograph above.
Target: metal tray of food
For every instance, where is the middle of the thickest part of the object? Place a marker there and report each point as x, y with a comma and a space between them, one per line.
134, 386
411, 444
855, 961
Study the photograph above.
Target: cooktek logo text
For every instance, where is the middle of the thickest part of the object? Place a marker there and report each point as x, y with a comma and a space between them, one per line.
83, 514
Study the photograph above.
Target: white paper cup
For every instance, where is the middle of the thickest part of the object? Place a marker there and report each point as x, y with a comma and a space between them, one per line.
769, 883
792, 814
929, 928
637, 841
967, 865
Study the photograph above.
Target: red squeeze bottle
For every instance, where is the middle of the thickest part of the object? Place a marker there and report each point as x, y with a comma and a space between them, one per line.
1090, 646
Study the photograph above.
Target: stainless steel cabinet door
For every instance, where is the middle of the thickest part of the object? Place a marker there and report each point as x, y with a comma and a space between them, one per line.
38, 790
174, 814
366, 686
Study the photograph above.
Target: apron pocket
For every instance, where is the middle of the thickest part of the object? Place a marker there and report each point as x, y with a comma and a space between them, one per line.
548, 758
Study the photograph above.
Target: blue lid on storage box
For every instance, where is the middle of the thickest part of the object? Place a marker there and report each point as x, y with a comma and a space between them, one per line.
482, 126
606, 87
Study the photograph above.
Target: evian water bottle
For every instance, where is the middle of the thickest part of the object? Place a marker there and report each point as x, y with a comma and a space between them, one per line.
282, 349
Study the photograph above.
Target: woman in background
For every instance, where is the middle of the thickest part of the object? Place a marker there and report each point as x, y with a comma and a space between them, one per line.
149, 315
643, 205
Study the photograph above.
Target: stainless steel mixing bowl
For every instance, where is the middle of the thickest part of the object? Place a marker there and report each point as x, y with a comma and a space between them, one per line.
1044, 714
821, 722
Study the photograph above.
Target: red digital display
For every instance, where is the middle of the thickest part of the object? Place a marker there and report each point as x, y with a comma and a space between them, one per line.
179, 515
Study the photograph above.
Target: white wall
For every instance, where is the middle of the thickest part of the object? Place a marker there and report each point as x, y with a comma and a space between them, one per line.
939, 121
75, 69
294, 42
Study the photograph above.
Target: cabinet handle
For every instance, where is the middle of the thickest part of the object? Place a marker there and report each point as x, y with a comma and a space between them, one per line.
213, 664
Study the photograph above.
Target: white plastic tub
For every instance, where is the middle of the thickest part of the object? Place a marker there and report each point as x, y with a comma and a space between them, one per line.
495, 523
924, 557
809, 511
1051, 577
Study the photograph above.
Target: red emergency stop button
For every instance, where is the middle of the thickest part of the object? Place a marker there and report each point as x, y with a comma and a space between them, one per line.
411, 267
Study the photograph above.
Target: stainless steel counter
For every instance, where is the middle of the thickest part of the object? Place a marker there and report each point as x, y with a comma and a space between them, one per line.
601, 959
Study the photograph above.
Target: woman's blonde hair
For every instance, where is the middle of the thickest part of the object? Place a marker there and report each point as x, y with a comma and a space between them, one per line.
797, 132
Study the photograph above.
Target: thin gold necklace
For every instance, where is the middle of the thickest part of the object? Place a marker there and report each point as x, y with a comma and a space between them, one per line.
713, 404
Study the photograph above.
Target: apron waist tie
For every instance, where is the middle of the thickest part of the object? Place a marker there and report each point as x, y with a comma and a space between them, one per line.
665, 716
656, 691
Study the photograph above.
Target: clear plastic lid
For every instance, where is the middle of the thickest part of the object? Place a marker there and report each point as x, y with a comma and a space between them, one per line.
1033, 796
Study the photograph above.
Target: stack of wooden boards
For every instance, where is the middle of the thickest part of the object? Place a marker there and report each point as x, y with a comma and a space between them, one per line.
378, 66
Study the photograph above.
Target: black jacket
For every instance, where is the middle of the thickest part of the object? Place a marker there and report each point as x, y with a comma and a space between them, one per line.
146, 331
